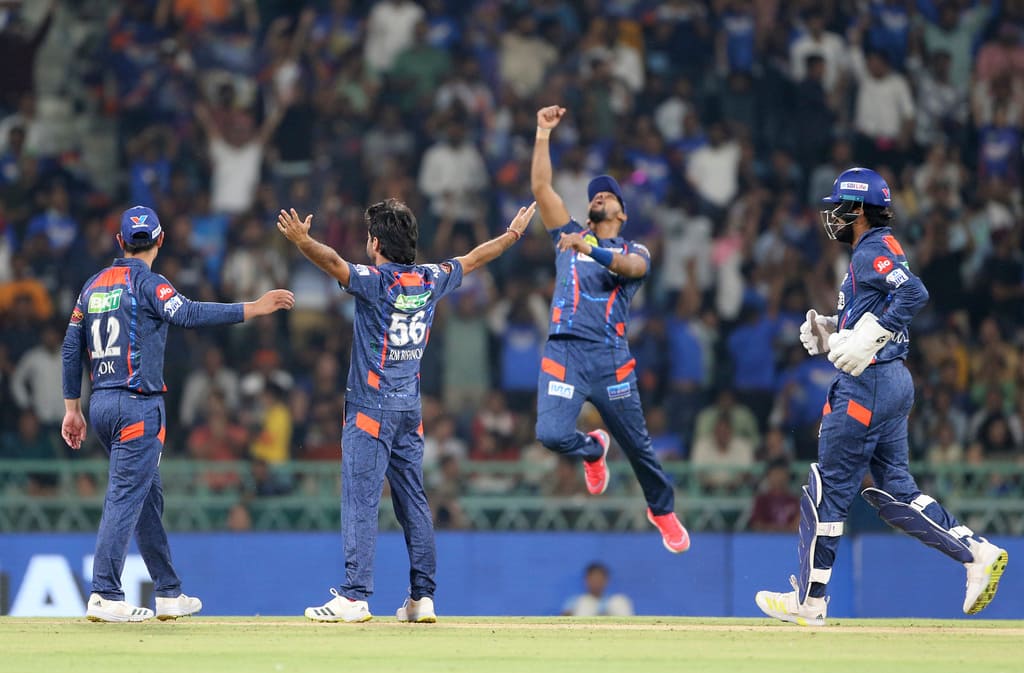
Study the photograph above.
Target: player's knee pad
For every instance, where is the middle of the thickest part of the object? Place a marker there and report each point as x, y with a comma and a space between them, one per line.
812, 528
912, 518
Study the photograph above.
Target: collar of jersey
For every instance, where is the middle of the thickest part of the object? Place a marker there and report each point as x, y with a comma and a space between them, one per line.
125, 261
882, 231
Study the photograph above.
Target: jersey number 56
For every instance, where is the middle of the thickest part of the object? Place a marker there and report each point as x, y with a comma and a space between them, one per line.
407, 329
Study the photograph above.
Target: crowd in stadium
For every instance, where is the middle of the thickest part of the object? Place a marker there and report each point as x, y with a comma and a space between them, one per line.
725, 121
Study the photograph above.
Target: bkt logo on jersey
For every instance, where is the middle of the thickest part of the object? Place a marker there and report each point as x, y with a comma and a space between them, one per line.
164, 291
102, 302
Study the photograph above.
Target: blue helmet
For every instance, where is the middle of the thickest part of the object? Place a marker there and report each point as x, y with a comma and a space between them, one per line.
853, 187
862, 185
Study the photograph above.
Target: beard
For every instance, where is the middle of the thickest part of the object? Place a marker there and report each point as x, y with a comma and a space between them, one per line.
596, 215
845, 235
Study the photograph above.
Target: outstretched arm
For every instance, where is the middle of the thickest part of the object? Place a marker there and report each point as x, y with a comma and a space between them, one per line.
324, 256
552, 210
492, 249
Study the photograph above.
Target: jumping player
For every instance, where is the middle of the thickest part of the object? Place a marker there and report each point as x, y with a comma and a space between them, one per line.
587, 356
383, 434
120, 321
864, 424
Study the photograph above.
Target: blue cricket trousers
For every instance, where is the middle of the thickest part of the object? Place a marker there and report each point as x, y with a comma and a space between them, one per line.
864, 427
131, 428
574, 371
376, 444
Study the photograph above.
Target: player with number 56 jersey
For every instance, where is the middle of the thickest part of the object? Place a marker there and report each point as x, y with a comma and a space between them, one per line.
120, 323
383, 433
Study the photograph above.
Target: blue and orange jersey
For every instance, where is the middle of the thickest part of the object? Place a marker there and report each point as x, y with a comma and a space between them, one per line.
394, 311
880, 281
120, 321
590, 301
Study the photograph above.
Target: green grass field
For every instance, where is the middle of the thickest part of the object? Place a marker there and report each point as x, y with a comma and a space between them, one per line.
486, 645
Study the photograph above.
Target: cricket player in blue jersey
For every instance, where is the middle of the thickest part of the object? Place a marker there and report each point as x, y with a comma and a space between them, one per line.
864, 423
383, 433
120, 322
587, 354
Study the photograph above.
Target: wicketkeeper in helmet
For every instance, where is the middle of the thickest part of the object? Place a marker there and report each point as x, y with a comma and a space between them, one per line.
864, 420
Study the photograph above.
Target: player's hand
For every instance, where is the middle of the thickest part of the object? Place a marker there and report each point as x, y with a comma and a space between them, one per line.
574, 242
272, 301
73, 429
853, 350
815, 331
548, 117
523, 218
293, 228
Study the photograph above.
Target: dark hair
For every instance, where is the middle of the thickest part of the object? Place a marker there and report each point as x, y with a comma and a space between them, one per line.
393, 224
136, 248
877, 216
596, 566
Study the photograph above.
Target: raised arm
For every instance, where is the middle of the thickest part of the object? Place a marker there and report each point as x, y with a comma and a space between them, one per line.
324, 256
552, 210
492, 249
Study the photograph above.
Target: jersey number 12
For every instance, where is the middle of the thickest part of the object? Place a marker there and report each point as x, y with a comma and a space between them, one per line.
111, 350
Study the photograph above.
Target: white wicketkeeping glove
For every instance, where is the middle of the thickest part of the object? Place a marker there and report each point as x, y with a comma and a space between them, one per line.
815, 331
852, 350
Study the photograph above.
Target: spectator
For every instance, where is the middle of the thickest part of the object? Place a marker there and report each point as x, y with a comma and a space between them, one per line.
272, 442
390, 29
596, 602
720, 460
524, 56
213, 376
776, 508
239, 519
418, 70
218, 438
236, 157
945, 448
713, 171
440, 441
453, 175
445, 494
884, 112
741, 420
818, 42
956, 31
29, 384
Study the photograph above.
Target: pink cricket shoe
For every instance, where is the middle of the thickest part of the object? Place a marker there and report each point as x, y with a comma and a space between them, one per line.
673, 533
596, 471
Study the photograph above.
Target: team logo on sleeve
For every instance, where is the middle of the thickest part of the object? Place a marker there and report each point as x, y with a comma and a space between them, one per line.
77, 316
559, 389
164, 292
897, 277
172, 306
619, 391
882, 264
640, 248
362, 270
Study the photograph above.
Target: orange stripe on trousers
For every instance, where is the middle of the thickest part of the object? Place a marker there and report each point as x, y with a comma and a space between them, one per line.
367, 424
133, 431
549, 366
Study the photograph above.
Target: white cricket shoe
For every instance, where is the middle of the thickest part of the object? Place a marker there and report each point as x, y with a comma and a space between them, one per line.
784, 606
179, 606
340, 609
983, 574
420, 612
104, 610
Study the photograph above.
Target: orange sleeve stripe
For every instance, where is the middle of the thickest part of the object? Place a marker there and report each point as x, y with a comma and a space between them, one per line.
620, 328
133, 431
622, 372
367, 424
549, 366
556, 315
162, 435
859, 413
893, 244
420, 429
373, 380
827, 409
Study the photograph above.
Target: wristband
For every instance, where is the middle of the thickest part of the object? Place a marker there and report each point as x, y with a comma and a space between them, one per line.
543, 133
515, 234
602, 256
